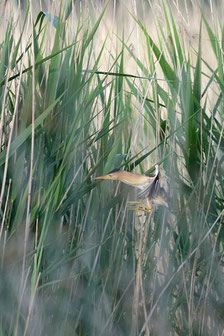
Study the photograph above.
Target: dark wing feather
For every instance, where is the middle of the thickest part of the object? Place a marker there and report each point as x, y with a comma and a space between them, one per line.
150, 189
157, 190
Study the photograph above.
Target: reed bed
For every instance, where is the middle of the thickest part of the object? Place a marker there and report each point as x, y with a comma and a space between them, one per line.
87, 87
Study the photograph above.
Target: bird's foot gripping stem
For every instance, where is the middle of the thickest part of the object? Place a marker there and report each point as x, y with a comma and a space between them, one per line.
138, 206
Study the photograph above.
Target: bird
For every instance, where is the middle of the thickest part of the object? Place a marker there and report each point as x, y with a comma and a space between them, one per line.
154, 188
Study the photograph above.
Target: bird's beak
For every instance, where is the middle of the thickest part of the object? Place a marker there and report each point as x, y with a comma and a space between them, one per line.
105, 177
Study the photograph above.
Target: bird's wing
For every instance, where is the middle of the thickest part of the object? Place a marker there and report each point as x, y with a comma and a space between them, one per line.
150, 189
158, 188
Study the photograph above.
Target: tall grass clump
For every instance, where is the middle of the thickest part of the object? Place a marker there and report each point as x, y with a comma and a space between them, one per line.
86, 88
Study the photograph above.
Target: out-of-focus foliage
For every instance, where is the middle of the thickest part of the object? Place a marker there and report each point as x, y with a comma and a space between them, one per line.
76, 103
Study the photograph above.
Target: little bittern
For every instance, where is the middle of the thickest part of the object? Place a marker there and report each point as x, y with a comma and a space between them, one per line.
154, 187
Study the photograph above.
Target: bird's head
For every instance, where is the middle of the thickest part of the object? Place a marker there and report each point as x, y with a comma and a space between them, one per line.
113, 175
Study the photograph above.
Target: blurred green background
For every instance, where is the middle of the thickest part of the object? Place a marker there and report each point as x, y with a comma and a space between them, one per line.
87, 87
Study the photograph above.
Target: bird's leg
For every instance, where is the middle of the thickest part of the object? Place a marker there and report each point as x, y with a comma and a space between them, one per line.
138, 206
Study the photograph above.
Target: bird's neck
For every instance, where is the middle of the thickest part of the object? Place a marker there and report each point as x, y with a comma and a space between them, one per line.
135, 180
